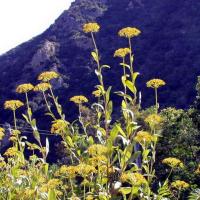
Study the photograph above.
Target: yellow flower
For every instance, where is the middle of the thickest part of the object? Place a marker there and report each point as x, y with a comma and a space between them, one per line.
79, 99
98, 160
91, 28
14, 135
47, 76
24, 88
13, 104
97, 149
135, 179
155, 83
2, 133
97, 93
154, 120
69, 171
129, 32
122, 52
59, 126
15, 132
2, 163
12, 151
173, 162
144, 137
42, 87
32, 146
180, 185
85, 170
54, 183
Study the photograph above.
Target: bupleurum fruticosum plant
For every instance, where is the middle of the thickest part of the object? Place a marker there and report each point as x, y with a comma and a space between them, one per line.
106, 159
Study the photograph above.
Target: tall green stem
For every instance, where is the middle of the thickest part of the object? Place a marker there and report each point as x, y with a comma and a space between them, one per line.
48, 106
124, 70
15, 122
28, 107
131, 62
100, 78
156, 99
56, 103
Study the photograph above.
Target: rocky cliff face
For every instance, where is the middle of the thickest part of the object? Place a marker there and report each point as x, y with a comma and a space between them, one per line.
168, 48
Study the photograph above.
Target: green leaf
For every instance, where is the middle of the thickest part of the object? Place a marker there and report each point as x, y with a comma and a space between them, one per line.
164, 191
91, 140
122, 94
108, 94
99, 87
46, 168
132, 58
131, 86
134, 76
128, 152
125, 65
145, 153
29, 112
113, 133
124, 80
95, 56
120, 130
26, 118
125, 190
194, 195
69, 141
136, 155
105, 66
51, 195
103, 197
110, 109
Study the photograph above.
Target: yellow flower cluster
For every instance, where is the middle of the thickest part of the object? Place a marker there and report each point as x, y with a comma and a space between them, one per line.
11, 152
154, 120
180, 185
59, 126
98, 160
97, 149
155, 83
2, 163
24, 88
32, 146
97, 93
27, 194
47, 76
135, 179
85, 170
173, 162
129, 32
69, 171
143, 137
13, 104
14, 135
122, 52
79, 99
91, 27
42, 87
2, 133
54, 183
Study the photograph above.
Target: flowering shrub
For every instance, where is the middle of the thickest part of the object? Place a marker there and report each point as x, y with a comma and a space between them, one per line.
116, 160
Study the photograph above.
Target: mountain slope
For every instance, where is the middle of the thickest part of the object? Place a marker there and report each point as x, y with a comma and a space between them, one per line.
168, 48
